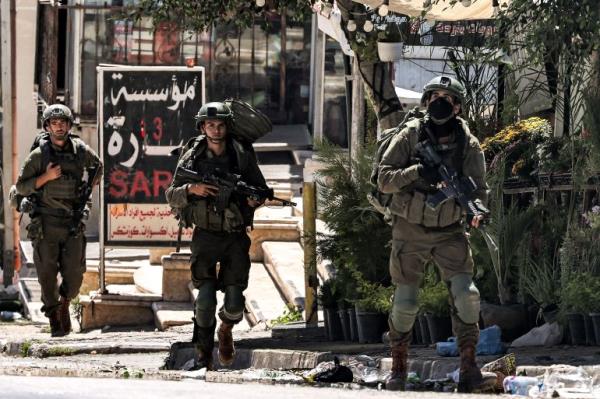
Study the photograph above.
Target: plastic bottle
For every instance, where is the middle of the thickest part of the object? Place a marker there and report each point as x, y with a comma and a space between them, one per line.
7, 315
519, 385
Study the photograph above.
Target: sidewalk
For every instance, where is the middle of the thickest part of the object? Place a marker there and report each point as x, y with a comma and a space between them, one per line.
119, 353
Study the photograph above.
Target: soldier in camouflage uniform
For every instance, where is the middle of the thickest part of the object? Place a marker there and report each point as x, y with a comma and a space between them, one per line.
218, 236
53, 172
421, 234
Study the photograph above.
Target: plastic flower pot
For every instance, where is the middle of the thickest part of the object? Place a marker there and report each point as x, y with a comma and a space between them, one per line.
353, 325
390, 51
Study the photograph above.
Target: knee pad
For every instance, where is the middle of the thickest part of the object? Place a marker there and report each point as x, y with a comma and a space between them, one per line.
465, 298
233, 306
404, 307
206, 304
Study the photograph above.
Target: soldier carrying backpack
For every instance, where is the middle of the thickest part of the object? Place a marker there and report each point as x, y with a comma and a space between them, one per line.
421, 233
52, 180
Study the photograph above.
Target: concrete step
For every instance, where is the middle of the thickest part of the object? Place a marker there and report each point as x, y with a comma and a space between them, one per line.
148, 279
285, 263
169, 314
115, 272
241, 326
30, 294
263, 299
271, 226
122, 306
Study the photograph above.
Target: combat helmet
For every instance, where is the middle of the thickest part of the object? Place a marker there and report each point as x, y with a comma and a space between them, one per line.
448, 83
214, 110
56, 111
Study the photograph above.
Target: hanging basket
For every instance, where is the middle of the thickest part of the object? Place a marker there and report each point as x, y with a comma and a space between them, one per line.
390, 51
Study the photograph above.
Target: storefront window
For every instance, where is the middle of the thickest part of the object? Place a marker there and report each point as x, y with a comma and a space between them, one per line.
245, 64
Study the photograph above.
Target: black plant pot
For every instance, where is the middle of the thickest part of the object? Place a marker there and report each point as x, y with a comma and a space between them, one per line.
440, 328
425, 335
550, 313
596, 323
417, 336
590, 339
353, 325
333, 325
576, 328
345, 322
371, 326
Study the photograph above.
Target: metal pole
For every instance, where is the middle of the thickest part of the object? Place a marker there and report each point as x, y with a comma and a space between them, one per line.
358, 112
311, 281
9, 157
100, 116
317, 75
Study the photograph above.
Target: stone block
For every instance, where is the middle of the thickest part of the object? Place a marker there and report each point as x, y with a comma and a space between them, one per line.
271, 230
149, 279
157, 253
116, 310
91, 279
176, 277
169, 314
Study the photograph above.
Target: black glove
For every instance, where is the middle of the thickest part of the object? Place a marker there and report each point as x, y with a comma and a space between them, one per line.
430, 174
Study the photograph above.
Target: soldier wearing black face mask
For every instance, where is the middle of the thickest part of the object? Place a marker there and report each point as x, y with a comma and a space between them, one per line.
421, 233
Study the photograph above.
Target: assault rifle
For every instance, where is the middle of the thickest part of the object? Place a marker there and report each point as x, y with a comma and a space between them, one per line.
228, 184
455, 186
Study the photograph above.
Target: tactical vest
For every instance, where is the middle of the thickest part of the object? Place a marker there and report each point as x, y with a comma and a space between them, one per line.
72, 162
410, 203
202, 212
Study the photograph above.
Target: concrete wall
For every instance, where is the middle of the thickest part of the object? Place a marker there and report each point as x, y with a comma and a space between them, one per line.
26, 31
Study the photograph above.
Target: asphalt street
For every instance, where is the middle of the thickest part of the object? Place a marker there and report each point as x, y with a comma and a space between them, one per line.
90, 388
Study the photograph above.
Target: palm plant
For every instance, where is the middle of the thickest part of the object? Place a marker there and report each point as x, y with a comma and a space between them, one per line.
359, 237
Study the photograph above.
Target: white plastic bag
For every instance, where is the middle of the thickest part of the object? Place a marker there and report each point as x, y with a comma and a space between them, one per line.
547, 335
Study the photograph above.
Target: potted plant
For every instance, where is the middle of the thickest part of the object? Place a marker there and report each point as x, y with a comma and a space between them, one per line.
390, 40
328, 298
580, 279
574, 304
433, 299
372, 308
358, 240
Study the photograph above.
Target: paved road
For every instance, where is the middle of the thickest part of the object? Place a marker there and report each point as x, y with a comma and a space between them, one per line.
77, 388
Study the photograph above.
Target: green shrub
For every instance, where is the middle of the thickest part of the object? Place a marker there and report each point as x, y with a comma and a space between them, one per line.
580, 293
329, 293
290, 314
433, 296
374, 297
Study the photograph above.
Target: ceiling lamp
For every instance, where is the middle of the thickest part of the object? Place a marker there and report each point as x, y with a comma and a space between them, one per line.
384, 8
351, 25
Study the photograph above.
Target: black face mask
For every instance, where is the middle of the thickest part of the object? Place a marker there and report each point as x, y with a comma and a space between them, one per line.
440, 111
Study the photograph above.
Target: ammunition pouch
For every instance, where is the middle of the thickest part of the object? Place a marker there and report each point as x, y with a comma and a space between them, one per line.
35, 230
202, 214
412, 207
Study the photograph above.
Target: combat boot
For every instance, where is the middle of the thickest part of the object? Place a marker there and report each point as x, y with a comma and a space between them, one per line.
204, 359
226, 347
399, 342
471, 379
203, 340
56, 328
65, 316
397, 379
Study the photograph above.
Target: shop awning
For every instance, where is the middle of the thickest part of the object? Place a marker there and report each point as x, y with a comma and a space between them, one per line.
443, 11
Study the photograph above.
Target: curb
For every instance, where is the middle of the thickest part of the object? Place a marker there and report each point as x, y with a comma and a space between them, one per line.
284, 359
77, 371
42, 350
